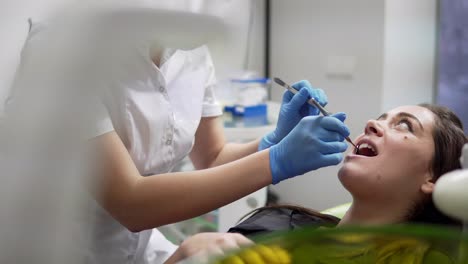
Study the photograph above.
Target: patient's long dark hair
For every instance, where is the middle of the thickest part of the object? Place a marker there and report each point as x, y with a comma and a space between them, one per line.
449, 139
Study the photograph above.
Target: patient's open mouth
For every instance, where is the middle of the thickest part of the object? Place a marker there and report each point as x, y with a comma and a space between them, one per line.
365, 149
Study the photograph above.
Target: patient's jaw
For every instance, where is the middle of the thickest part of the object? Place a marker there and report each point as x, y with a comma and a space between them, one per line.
392, 165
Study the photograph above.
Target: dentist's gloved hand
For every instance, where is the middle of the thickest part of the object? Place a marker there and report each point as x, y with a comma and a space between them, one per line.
316, 142
293, 109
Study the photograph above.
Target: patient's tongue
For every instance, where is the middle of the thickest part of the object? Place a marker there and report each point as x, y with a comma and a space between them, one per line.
366, 152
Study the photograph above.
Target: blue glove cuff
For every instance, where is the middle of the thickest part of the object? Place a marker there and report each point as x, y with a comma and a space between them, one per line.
267, 141
274, 167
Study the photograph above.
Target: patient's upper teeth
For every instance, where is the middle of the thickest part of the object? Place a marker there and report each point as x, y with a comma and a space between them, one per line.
366, 145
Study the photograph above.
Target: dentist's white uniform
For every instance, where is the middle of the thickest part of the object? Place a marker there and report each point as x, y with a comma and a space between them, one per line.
156, 112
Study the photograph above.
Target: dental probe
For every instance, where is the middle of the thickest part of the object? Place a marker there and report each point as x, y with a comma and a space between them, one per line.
311, 101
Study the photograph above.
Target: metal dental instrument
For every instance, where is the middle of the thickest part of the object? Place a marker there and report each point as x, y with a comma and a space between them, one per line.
311, 101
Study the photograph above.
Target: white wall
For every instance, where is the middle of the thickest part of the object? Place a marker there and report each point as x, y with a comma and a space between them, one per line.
367, 55
229, 54
410, 50
14, 28
256, 60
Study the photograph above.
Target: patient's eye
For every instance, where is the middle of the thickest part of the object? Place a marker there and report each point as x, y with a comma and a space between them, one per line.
405, 124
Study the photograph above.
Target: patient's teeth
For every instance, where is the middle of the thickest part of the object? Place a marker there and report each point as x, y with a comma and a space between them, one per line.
366, 145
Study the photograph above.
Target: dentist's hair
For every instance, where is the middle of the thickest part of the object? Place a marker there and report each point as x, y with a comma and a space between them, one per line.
449, 139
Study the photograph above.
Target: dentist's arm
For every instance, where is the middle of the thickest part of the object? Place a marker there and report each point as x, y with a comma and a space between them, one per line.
210, 148
146, 202
140, 203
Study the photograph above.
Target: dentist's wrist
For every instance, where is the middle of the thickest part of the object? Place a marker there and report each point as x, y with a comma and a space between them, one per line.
267, 141
277, 171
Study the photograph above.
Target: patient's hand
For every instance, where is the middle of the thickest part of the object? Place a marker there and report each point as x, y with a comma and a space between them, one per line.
203, 245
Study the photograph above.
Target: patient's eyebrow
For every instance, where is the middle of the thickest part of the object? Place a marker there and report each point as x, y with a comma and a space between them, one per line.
408, 115
402, 114
382, 116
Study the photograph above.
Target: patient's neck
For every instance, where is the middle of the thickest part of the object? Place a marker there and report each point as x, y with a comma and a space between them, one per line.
373, 213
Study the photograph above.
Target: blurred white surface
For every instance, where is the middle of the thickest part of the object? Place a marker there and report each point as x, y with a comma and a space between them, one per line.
40, 200
450, 194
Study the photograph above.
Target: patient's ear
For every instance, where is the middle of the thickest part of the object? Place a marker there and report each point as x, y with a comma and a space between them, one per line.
428, 186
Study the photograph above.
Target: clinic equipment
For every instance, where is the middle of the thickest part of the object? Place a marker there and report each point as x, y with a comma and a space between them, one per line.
311, 101
250, 91
249, 108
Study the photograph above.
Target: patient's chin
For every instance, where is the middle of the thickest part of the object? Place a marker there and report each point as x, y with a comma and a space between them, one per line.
347, 170
343, 174
349, 174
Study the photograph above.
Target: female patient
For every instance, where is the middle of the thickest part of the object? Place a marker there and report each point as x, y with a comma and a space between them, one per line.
390, 176
401, 155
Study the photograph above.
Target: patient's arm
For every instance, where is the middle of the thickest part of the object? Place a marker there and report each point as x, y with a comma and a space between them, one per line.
204, 245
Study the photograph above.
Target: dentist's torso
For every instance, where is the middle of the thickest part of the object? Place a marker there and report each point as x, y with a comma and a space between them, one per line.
156, 112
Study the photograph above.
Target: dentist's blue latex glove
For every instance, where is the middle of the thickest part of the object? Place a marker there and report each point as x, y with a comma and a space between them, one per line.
316, 142
293, 109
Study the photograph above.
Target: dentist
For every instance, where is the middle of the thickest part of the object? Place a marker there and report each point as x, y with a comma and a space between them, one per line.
157, 109
173, 115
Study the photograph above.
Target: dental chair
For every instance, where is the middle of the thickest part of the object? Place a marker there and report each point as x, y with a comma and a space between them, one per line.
338, 211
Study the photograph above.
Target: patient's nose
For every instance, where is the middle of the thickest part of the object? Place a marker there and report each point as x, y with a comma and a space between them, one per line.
373, 127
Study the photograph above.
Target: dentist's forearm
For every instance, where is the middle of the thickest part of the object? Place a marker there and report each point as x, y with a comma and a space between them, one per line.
235, 151
173, 197
140, 203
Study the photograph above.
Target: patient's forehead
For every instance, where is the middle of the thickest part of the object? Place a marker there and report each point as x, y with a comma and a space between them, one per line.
424, 115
